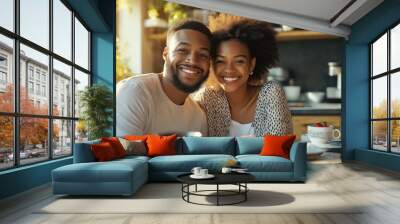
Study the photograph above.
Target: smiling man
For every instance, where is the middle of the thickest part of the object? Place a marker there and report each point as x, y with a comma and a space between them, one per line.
160, 103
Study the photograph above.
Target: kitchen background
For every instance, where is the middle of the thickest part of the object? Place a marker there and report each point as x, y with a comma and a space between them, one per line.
304, 56
307, 61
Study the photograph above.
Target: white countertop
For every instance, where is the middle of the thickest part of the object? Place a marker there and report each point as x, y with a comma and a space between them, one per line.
318, 106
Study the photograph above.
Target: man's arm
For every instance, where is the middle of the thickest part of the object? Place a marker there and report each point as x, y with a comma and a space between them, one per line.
132, 110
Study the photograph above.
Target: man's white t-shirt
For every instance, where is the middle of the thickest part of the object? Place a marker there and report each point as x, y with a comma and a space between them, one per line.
144, 108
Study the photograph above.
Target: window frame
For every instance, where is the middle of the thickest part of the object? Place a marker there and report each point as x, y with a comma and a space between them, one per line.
16, 115
388, 74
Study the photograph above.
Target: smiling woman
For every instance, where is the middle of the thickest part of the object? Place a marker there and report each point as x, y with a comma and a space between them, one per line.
244, 104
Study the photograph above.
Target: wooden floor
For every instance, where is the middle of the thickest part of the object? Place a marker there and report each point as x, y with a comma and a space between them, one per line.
378, 189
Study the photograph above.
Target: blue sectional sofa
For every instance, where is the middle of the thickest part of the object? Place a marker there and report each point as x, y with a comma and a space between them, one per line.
125, 176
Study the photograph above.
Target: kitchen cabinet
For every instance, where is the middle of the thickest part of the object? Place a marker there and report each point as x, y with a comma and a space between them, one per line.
300, 122
280, 37
295, 35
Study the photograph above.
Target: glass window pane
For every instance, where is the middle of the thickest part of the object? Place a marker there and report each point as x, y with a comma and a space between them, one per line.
395, 135
6, 74
34, 80
379, 55
62, 138
395, 94
395, 47
379, 135
35, 21
62, 29
33, 139
6, 142
81, 81
7, 14
379, 97
62, 89
81, 45
81, 131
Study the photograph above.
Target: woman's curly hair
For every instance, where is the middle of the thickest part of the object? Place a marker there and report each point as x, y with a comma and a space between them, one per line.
260, 39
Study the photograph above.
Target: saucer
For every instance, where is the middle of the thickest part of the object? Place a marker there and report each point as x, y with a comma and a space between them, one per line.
329, 145
208, 176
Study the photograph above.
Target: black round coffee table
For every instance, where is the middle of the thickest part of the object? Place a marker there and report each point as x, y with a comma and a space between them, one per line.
238, 179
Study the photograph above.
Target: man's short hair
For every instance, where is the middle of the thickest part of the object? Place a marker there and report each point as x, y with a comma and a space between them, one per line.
190, 25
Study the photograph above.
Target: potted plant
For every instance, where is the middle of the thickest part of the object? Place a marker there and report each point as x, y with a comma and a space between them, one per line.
96, 102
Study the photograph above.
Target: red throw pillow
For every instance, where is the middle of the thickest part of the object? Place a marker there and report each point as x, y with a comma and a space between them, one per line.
135, 137
103, 151
277, 145
116, 145
161, 145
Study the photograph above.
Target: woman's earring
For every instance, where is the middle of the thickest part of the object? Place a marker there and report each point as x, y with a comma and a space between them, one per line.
251, 73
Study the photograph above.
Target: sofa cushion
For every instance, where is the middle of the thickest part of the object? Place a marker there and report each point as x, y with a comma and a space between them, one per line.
133, 158
111, 171
185, 163
206, 145
249, 145
257, 163
83, 152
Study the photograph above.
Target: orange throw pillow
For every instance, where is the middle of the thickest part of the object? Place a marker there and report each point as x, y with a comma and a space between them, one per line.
116, 145
161, 145
103, 152
277, 145
135, 137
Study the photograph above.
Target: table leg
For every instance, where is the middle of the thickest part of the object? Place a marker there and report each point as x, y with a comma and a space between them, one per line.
182, 188
217, 194
196, 188
245, 193
188, 190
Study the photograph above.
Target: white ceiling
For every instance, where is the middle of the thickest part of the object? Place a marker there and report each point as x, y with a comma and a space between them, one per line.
321, 9
315, 15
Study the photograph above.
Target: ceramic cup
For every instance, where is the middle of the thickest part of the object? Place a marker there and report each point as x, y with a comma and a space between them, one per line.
322, 135
196, 171
203, 172
226, 170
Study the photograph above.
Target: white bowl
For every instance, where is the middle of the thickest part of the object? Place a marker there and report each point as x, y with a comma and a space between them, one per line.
315, 97
292, 92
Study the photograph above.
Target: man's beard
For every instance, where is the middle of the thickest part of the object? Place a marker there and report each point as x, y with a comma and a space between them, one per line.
182, 86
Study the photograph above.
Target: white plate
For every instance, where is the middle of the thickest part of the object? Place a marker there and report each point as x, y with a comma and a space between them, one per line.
208, 176
331, 145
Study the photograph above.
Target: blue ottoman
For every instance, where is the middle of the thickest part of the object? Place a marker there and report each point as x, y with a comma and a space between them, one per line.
118, 177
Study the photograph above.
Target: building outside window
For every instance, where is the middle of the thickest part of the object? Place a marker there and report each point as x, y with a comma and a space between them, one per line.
37, 75
385, 91
3, 78
55, 98
43, 90
59, 133
3, 61
30, 72
43, 78
3, 81
30, 87
38, 89
3, 72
